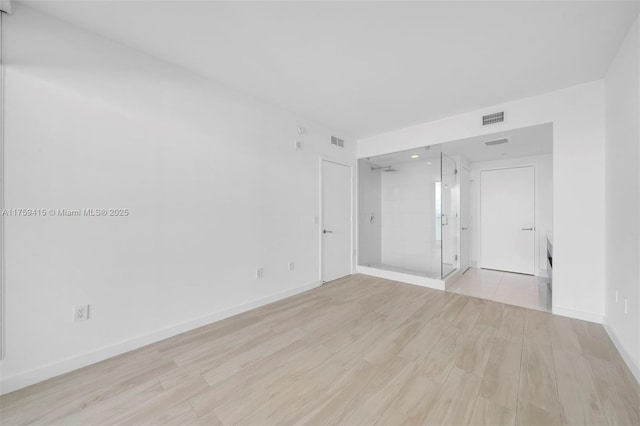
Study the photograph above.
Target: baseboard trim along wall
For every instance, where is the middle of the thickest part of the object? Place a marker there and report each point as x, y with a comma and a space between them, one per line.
628, 359
580, 315
36, 375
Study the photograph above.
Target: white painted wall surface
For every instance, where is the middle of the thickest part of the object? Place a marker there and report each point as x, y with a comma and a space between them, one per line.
577, 114
543, 200
622, 94
213, 183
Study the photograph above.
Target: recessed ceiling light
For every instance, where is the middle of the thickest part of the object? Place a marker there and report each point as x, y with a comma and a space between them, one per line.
415, 156
428, 163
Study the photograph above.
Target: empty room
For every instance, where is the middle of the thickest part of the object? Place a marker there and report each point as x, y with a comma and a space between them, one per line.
319, 212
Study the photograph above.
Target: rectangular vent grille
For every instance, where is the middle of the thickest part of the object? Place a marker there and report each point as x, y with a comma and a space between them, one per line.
337, 142
494, 118
497, 142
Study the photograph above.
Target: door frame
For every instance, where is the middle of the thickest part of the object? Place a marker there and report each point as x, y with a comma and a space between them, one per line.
536, 224
320, 218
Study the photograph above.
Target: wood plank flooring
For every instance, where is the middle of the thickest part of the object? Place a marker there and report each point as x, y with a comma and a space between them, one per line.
360, 350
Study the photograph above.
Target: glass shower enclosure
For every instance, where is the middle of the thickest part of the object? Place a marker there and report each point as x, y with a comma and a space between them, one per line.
408, 212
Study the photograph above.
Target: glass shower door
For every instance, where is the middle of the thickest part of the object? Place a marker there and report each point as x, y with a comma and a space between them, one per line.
449, 215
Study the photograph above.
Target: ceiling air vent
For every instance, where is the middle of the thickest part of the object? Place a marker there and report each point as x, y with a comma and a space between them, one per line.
497, 142
337, 142
494, 118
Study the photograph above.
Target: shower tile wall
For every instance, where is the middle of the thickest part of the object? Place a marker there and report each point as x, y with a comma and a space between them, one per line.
370, 214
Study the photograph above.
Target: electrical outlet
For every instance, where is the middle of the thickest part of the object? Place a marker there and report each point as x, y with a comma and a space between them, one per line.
626, 307
259, 273
315, 220
292, 266
299, 145
81, 313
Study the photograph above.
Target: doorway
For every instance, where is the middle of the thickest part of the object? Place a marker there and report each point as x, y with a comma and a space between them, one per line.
507, 219
336, 225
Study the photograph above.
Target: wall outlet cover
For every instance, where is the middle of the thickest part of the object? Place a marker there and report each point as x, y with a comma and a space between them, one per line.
80, 313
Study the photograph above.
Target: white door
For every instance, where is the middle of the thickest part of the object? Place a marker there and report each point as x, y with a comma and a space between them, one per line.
507, 205
465, 219
336, 221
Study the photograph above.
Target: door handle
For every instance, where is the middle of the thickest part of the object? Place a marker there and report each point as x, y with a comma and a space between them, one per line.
464, 229
527, 229
324, 231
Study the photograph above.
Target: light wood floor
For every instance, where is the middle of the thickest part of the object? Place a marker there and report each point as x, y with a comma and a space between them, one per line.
360, 350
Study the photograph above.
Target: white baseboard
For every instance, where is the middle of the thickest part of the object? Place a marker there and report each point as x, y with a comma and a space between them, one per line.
628, 359
581, 315
39, 374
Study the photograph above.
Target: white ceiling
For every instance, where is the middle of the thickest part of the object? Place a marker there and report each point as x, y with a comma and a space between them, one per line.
367, 67
523, 142
429, 154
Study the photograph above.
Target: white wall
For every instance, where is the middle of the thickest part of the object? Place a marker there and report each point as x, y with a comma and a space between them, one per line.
577, 114
543, 203
214, 187
622, 153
